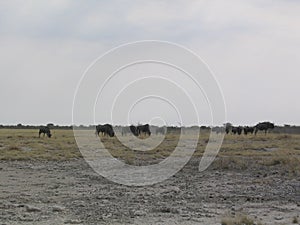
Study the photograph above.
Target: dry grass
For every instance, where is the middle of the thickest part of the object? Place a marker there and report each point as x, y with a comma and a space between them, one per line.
237, 152
295, 220
239, 220
20, 144
279, 150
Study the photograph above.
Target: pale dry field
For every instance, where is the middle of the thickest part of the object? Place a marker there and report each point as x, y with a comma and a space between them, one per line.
253, 180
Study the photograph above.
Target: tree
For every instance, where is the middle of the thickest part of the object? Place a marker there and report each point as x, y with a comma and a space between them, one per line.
50, 125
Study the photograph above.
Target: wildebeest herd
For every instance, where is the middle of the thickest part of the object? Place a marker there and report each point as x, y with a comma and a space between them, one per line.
263, 126
139, 130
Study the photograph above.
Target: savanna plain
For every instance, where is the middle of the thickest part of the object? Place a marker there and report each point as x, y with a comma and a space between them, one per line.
253, 180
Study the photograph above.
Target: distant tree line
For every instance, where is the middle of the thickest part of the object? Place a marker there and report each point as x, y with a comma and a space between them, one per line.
289, 129
21, 126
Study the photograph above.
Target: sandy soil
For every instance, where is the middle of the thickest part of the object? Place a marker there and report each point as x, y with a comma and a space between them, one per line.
70, 192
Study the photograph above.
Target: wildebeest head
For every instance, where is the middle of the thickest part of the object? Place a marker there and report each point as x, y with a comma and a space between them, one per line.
110, 132
271, 125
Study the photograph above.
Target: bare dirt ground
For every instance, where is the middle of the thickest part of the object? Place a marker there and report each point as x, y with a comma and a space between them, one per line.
70, 192
46, 181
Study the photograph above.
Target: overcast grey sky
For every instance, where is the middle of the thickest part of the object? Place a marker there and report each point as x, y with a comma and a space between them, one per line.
253, 48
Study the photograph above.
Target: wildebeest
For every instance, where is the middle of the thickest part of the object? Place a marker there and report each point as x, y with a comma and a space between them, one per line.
45, 130
144, 129
160, 130
237, 130
140, 129
248, 129
134, 130
105, 129
233, 130
263, 126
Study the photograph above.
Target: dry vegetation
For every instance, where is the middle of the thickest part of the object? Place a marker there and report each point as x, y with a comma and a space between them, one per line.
19, 144
252, 181
237, 152
239, 220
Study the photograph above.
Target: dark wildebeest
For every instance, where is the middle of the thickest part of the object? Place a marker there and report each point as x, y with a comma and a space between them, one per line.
105, 129
263, 126
237, 130
45, 130
234, 130
134, 130
140, 129
144, 129
160, 130
248, 129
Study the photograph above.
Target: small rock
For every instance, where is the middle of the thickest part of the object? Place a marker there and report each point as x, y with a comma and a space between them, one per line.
139, 213
58, 208
107, 216
24, 218
55, 186
30, 208
73, 222
173, 189
278, 218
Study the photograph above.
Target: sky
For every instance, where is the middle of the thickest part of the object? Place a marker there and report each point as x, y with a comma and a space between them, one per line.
252, 47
